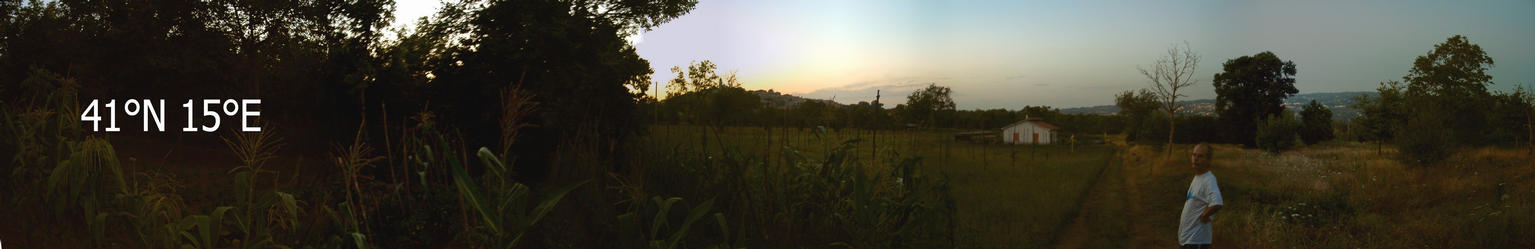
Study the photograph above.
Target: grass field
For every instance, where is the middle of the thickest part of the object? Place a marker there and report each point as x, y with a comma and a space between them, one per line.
759, 187
1005, 196
1333, 195
1341, 195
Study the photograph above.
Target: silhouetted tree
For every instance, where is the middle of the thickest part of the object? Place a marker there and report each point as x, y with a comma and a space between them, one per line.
1252, 88
1452, 79
570, 55
927, 106
1447, 100
1511, 116
1316, 123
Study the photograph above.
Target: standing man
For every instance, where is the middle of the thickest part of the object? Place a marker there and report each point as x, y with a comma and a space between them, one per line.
1200, 203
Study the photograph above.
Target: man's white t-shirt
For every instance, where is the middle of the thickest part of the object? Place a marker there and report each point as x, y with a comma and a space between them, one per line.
1203, 193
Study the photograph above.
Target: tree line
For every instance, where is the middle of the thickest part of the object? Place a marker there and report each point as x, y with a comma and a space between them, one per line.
700, 95
1442, 104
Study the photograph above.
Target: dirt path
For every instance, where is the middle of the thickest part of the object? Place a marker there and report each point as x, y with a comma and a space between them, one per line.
1102, 221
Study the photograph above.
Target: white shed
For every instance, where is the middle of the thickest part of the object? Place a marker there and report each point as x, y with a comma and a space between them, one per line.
1030, 131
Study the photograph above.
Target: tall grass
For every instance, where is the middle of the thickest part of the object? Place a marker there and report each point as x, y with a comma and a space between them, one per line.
1345, 195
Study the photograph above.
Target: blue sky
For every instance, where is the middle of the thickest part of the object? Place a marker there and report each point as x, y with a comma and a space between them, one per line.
1007, 54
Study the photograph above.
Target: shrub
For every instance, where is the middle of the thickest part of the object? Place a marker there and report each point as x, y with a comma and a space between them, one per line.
1197, 129
1422, 141
1277, 133
1152, 131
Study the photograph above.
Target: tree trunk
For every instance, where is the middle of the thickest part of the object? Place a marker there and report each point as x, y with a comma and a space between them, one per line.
1171, 127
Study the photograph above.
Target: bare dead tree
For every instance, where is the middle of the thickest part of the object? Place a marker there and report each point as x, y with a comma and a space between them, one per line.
1171, 73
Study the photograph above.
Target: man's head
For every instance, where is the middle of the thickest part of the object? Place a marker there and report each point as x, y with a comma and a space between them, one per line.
1199, 158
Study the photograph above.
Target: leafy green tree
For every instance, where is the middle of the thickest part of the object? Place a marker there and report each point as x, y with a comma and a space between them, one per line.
1381, 115
1452, 79
1135, 108
1197, 123
1277, 132
699, 76
700, 94
1316, 123
293, 54
1512, 115
1151, 130
554, 50
925, 107
1041, 112
1249, 89
996, 118
1449, 81
867, 115
814, 113
732, 105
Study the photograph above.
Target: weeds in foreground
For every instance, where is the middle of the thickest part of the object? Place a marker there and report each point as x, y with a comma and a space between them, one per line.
500, 203
835, 200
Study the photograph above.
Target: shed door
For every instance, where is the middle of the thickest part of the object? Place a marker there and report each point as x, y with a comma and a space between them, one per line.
1036, 138
1015, 137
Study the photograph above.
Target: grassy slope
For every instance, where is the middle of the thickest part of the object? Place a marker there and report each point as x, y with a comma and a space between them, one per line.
1342, 195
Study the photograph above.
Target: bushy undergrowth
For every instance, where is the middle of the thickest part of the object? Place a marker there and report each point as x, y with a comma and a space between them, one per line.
1423, 141
1277, 133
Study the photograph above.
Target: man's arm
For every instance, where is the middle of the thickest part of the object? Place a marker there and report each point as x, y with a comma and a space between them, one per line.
1205, 217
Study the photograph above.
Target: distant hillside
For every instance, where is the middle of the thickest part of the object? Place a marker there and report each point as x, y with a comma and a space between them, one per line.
1338, 102
776, 99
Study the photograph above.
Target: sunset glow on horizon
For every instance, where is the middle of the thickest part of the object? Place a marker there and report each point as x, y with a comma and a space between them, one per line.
1011, 54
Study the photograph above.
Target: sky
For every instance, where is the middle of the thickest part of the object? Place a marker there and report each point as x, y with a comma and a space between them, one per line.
1008, 54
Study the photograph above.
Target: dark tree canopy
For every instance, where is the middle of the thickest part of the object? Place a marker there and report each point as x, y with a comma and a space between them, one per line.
1454, 68
1316, 123
554, 50
1251, 88
1452, 79
306, 59
1135, 108
929, 105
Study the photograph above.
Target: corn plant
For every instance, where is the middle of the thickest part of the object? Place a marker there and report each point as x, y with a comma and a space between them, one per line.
516, 106
257, 210
202, 231
89, 179
353, 160
90, 175
152, 210
350, 227
43, 137
665, 233
502, 204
